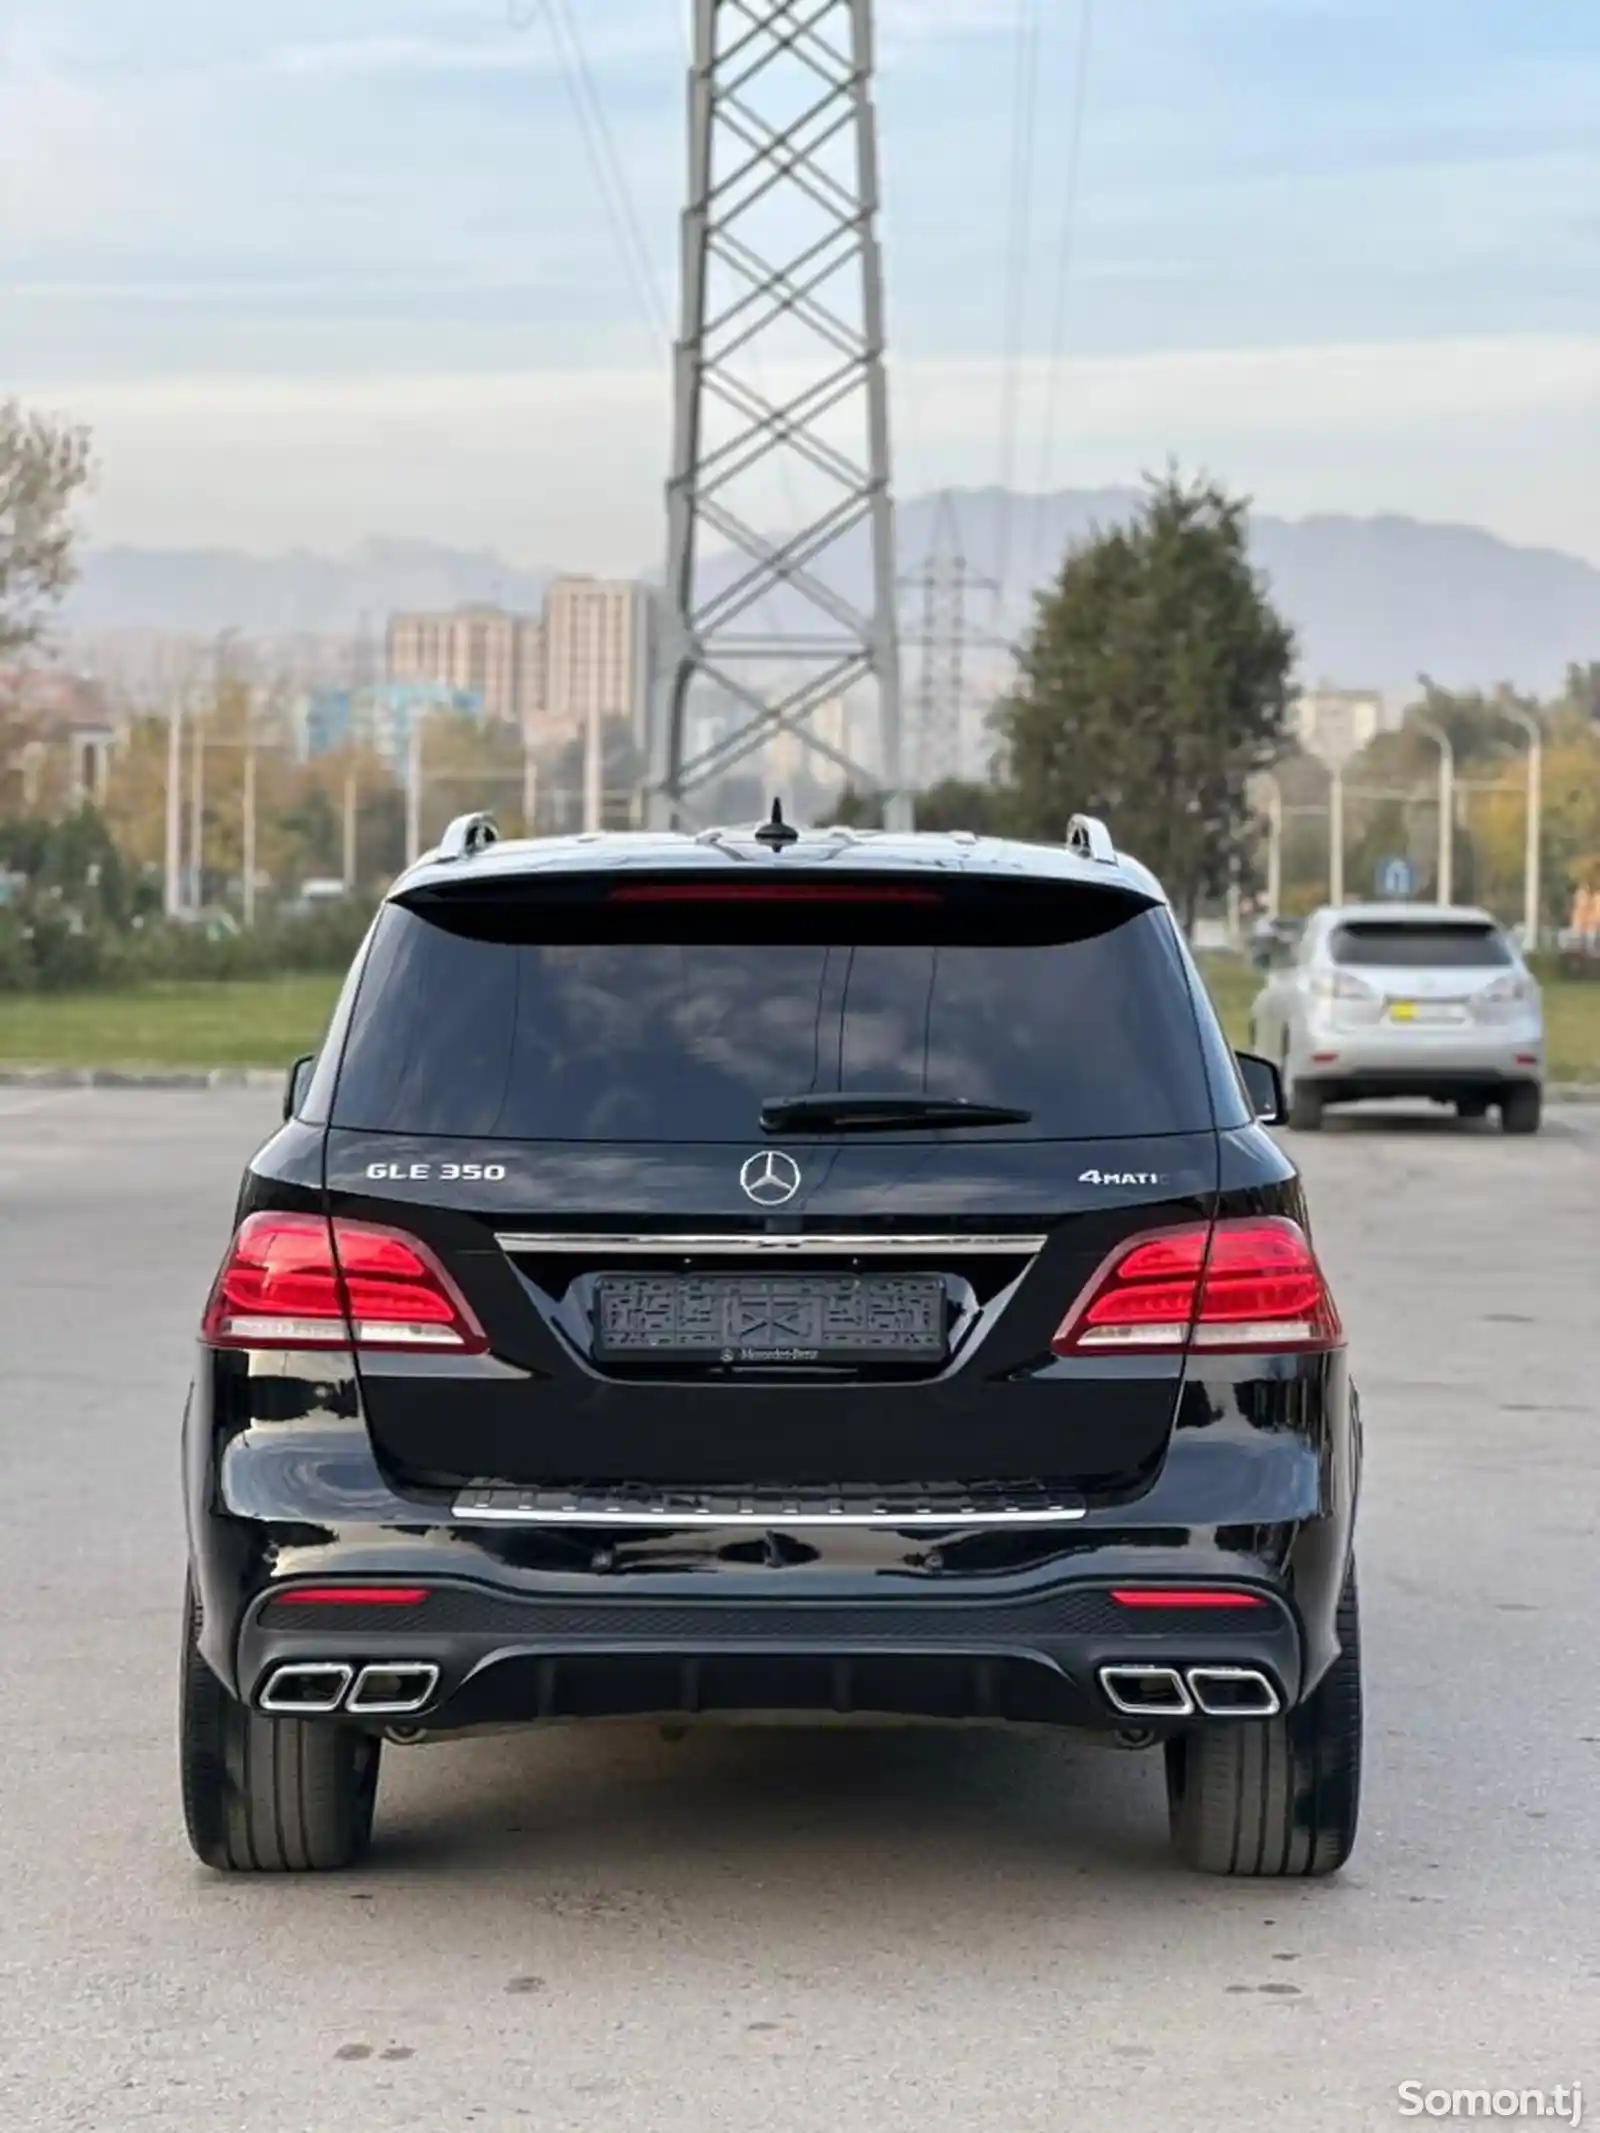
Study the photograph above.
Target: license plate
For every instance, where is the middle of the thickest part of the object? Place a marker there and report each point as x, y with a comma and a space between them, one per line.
1423, 1011
819, 1318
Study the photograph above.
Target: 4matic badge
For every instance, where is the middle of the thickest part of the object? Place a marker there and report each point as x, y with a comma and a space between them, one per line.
1121, 1177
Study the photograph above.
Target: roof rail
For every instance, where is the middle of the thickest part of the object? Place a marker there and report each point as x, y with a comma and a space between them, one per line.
467, 836
1088, 836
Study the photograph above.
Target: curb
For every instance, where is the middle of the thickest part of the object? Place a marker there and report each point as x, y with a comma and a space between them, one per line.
140, 1078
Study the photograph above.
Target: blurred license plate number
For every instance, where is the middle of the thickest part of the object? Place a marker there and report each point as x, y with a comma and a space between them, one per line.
770, 1319
1422, 1011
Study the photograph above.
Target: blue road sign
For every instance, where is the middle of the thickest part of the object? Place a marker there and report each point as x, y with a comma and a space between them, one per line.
1396, 877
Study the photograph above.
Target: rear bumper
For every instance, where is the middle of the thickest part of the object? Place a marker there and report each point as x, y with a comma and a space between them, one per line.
505, 1659
530, 1620
1418, 1062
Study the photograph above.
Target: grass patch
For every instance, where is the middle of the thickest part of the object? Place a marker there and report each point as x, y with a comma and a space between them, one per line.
266, 1022
251, 1022
1571, 1013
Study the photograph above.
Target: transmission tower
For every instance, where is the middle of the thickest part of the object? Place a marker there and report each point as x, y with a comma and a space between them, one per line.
943, 585
779, 382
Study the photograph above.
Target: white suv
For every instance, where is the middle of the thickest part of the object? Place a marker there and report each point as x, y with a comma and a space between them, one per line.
1405, 1000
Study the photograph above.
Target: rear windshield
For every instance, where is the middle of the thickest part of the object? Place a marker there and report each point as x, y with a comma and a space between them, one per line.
1419, 944
683, 1041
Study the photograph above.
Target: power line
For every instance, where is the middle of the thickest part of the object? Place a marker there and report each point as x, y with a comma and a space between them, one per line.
1024, 116
1065, 261
611, 179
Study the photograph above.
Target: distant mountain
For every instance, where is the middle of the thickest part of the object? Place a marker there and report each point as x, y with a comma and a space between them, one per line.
1375, 601
210, 589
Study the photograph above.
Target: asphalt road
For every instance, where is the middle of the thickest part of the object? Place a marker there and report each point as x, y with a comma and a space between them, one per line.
592, 1930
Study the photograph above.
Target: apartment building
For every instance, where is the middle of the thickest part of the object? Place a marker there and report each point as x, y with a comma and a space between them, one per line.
476, 650
597, 654
587, 657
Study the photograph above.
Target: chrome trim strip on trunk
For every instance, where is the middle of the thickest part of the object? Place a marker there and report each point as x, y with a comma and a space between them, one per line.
732, 1243
527, 1508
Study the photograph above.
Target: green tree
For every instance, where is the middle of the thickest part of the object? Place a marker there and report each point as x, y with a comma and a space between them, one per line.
952, 804
1155, 684
43, 466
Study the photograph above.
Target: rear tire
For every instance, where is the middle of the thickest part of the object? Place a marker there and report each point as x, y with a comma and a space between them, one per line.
1522, 1108
1305, 1107
266, 1795
1278, 1796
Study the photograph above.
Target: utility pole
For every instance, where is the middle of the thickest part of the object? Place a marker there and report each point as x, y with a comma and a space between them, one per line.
778, 373
944, 582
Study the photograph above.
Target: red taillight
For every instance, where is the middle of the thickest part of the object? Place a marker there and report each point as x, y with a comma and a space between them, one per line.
766, 892
1164, 1596
301, 1281
352, 1596
1251, 1283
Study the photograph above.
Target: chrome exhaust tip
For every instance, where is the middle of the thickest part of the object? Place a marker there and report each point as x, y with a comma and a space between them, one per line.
1233, 1692
393, 1689
1146, 1691
306, 1689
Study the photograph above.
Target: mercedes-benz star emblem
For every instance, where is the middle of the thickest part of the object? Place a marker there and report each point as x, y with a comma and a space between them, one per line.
770, 1178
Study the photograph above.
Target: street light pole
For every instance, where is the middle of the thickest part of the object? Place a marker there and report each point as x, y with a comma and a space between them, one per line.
414, 791
1336, 834
1447, 809
1274, 845
172, 896
349, 851
593, 768
530, 788
197, 803
248, 885
1531, 884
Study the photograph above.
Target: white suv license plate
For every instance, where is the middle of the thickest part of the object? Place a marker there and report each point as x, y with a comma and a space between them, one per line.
1432, 1012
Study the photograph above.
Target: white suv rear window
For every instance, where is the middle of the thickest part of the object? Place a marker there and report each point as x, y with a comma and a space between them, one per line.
1419, 944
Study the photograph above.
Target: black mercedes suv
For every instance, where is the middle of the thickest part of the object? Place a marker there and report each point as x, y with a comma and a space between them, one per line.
768, 1273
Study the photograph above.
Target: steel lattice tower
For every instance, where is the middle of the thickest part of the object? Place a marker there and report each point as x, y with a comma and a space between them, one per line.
779, 390
943, 637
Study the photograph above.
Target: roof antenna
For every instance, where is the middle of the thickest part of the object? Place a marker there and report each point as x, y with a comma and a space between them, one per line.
775, 833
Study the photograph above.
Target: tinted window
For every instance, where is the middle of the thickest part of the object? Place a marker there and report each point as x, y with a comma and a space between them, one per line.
460, 1036
1413, 944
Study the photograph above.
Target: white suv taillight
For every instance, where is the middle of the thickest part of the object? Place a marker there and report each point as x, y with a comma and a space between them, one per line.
303, 1281
1249, 1284
1504, 1000
1344, 998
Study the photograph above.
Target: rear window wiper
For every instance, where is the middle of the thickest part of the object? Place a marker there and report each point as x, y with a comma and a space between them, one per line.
844, 1113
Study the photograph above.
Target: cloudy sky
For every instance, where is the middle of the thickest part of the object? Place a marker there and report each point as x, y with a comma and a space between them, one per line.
322, 268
